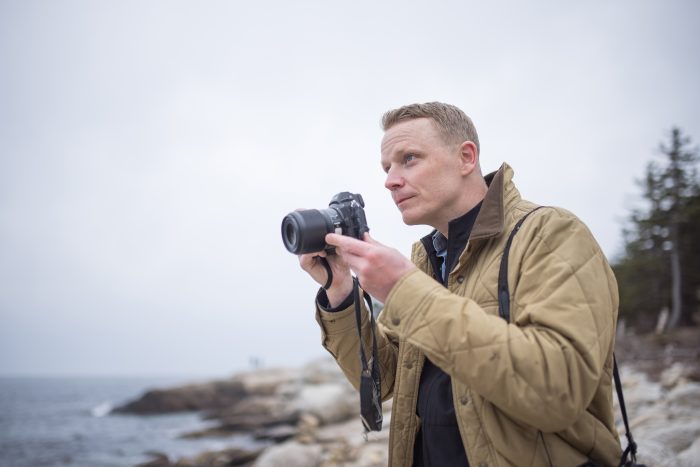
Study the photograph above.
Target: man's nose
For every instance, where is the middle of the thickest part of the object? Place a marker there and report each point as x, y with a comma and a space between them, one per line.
393, 180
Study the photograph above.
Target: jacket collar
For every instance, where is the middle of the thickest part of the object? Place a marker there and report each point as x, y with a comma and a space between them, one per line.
501, 193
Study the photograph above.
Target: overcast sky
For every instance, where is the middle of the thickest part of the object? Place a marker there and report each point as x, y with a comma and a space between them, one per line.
149, 150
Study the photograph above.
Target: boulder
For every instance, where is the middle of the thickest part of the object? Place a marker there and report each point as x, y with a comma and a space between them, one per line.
330, 402
690, 456
158, 459
639, 390
268, 381
322, 370
674, 375
687, 394
371, 455
193, 397
654, 453
276, 434
225, 458
290, 454
256, 412
677, 436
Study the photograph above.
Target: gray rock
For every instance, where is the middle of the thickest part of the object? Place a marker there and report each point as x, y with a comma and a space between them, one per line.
673, 375
290, 454
224, 458
677, 436
277, 433
266, 382
643, 420
653, 453
330, 402
256, 412
690, 457
352, 432
372, 455
638, 389
323, 370
158, 459
687, 394
193, 397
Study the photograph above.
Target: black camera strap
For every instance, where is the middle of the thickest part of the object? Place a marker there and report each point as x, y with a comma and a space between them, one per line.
370, 378
504, 311
503, 294
631, 448
329, 272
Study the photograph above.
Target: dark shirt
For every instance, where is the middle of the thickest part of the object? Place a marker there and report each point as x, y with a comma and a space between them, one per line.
438, 442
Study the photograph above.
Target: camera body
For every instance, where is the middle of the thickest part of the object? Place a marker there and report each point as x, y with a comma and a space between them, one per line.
305, 231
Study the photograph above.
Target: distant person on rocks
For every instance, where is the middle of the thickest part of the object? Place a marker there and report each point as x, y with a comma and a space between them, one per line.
470, 387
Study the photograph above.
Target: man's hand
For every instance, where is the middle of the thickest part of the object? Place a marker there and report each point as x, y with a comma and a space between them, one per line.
341, 286
377, 266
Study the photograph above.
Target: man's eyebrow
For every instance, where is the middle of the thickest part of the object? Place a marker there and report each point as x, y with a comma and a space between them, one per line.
409, 150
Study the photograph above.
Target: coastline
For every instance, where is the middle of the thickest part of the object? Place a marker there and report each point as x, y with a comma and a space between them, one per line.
310, 416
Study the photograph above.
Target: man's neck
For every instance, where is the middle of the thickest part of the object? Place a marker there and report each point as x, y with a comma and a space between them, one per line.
445, 229
473, 197
458, 222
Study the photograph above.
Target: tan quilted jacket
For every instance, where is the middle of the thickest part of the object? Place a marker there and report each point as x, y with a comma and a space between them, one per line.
536, 391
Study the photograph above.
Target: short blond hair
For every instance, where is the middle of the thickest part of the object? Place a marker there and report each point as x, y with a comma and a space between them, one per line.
454, 126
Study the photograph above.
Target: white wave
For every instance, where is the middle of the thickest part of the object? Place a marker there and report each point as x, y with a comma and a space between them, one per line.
102, 409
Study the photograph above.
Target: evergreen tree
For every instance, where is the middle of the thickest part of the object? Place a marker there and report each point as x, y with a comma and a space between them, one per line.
658, 269
679, 184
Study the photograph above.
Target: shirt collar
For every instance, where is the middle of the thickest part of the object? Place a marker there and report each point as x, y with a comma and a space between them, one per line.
439, 243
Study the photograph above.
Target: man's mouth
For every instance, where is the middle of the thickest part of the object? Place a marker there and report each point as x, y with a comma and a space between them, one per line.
399, 201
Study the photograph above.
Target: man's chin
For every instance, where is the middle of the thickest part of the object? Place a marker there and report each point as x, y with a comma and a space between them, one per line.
408, 219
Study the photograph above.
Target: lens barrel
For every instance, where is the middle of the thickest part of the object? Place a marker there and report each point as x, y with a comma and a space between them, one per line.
305, 231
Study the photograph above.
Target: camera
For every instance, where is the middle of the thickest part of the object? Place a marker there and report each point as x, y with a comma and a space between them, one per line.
305, 231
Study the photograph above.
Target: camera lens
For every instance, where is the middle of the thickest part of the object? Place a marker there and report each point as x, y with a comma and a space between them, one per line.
290, 233
305, 231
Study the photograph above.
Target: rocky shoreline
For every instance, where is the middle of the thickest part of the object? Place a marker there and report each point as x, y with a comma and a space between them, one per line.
309, 416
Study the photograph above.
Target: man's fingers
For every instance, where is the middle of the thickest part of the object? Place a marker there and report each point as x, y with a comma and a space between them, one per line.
351, 245
345, 243
309, 260
333, 239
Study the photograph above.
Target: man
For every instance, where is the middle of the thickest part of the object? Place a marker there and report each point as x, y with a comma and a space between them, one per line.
470, 388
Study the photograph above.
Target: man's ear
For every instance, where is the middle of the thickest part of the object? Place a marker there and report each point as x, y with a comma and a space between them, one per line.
469, 157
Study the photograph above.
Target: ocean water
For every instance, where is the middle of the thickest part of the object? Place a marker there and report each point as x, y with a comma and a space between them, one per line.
67, 422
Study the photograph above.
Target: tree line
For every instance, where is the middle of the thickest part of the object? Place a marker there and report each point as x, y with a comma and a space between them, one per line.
658, 272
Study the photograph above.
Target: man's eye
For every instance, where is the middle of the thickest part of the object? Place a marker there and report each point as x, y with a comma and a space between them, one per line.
408, 158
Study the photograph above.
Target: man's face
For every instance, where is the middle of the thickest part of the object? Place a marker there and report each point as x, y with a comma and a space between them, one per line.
423, 173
